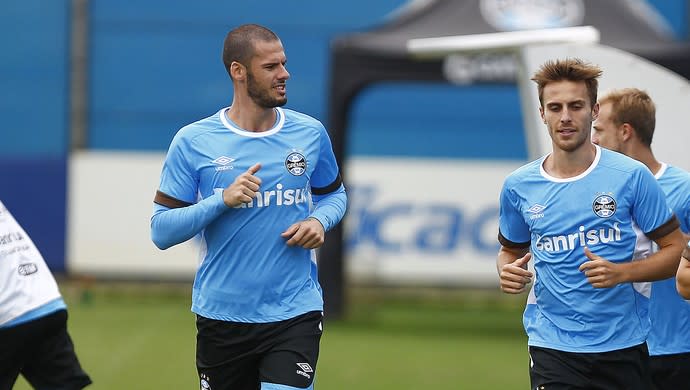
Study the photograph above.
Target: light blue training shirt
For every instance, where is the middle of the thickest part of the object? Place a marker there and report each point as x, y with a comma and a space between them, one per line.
604, 208
248, 273
668, 311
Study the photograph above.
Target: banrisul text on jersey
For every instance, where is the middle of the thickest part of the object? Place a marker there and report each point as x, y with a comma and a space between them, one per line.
581, 238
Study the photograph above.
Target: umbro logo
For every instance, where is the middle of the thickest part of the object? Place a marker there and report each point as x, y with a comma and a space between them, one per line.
223, 163
537, 208
537, 211
304, 369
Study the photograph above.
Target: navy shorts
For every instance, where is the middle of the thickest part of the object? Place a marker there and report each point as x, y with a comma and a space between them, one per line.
624, 369
241, 356
42, 352
670, 372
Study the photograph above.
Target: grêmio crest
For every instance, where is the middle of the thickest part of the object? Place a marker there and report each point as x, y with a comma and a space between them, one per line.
296, 164
604, 206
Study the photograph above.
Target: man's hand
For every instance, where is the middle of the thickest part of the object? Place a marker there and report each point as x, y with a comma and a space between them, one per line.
514, 276
683, 278
600, 272
308, 234
244, 188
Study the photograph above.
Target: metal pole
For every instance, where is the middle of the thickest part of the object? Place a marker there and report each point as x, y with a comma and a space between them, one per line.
79, 75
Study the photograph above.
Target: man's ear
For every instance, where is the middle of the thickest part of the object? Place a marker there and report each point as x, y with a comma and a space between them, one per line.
541, 113
595, 111
238, 71
627, 132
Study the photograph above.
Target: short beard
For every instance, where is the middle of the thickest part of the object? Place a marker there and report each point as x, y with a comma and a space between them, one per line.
262, 97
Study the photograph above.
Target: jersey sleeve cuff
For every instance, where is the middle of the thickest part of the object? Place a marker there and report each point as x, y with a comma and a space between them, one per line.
511, 244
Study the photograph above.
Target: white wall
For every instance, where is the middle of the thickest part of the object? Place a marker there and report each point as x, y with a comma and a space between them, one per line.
424, 221
110, 200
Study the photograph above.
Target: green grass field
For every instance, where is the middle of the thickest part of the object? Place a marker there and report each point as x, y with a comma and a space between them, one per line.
142, 337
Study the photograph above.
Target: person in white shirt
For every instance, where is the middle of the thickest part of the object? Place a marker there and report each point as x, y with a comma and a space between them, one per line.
33, 317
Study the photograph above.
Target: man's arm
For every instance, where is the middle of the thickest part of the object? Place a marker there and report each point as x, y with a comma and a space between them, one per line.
174, 221
330, 208
662, 264
511, 265
683, 275
171, 226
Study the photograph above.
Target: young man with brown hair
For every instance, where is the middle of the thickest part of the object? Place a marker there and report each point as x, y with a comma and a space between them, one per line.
577, 212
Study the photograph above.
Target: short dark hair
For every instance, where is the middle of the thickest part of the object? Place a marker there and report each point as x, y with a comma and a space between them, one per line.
635, 107
239, 43
570, 69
